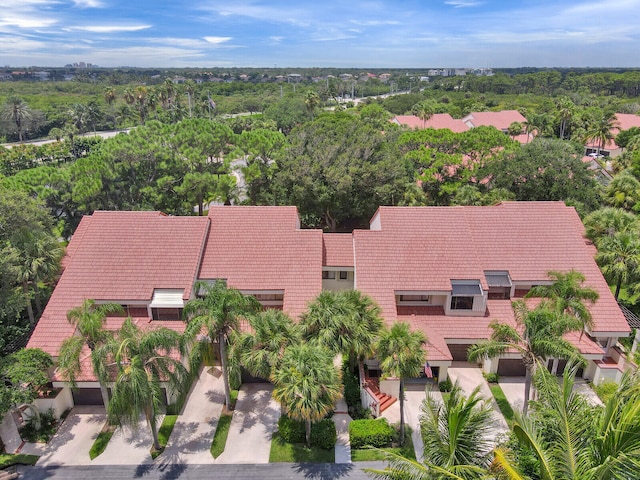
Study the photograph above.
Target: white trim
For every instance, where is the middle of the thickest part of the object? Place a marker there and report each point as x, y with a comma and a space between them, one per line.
167, 298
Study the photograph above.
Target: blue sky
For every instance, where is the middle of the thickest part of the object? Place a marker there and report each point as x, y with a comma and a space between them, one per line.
304, 33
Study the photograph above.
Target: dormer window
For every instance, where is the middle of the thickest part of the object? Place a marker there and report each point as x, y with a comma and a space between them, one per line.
463, 293
499, 284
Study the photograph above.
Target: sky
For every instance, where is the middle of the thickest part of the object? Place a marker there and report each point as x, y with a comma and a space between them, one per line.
321, 33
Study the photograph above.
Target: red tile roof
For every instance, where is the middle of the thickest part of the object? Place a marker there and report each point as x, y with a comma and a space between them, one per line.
424, 248
337, 250
624, 122
263, 248
122, 256
437, 121
501, 120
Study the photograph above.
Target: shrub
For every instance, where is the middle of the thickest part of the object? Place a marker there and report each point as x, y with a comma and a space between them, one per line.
370, 433
360, 413
48, 425
492, 377
351, 386
292, 431
323, 434
446, 385
606, 390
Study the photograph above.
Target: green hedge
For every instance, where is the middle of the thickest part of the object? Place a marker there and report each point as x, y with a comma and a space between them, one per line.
446, 385
370, 433
323, 433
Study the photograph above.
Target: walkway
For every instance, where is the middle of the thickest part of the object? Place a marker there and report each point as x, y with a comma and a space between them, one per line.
254, 421
341, 419
190, 441
9, 434
469, 377
414, 395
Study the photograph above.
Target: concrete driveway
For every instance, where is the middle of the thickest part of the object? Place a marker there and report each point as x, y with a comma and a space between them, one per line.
254, 421
469, 377
129, 446
513, 388
71, 444
414, 395
190, 441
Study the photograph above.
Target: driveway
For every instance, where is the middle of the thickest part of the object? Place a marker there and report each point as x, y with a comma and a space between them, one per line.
254, 421
414, 394
469, 377
513, 388
190, 441
71, 444
129, 446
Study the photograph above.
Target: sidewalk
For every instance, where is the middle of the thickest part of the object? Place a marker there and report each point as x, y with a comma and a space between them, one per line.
341, 419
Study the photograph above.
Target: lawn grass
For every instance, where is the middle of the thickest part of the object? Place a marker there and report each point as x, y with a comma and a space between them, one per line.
375, 454
164, 433
222, 430
7, 459
282, 451
101, 442
502, 402
220, 437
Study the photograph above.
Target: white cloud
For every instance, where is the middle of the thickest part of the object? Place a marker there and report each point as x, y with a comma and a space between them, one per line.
217, 40
462, 3
88, 3
106, 28
276, 39
374, 23
25, 21
178, 42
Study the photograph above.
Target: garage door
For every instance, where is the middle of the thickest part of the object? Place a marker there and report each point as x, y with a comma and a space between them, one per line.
562, 364
459, 352
511, 368
87, 396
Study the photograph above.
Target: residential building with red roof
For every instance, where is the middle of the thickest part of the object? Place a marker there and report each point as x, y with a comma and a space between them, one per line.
437, 121
624, 121
447, 271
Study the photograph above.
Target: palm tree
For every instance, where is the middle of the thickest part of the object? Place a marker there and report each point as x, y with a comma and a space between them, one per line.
623, 191
110, 97
346, 322
424, 111
566, 110
189, 88
89, 319
567, 295
307, 384
312, 101
580, 442
17, 111
401, 354
608, 221
456, 438
216, 313
261, 351
93, 114
366, 315
537, 336
514, 130
143, 361
40, 255
601, 130
619, 258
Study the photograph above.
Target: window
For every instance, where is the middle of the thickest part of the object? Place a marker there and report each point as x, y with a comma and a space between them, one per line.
328, 275
461, 303
166, 313
414, 298
343, 275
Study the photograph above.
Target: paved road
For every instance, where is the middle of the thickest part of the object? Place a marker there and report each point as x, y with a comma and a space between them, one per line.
272, 471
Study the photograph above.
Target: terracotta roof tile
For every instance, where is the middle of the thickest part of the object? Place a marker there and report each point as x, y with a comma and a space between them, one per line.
424, 248
263, 248
122, 256
337, 250
437, 121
